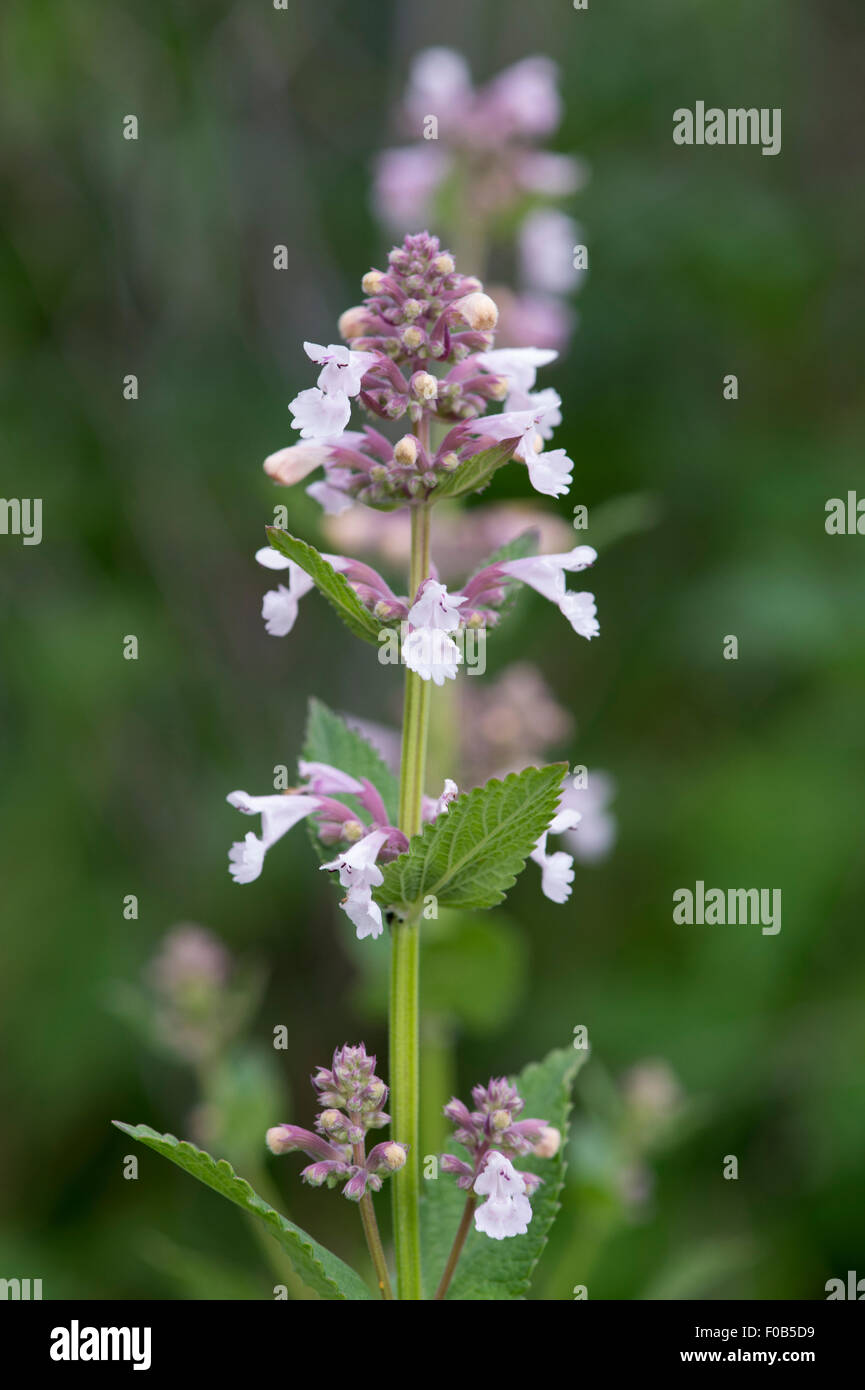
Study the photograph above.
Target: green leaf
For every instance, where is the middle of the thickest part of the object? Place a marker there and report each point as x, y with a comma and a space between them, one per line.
329, 582
322, 1271
472, 855
330, 740
502, 1269
476, 472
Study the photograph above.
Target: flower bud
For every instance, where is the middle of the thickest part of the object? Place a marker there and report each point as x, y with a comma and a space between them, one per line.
412, 309
278, 1141
425, 386
394, 1157
450, 462
478, 310
412, 339
549, 1142
379, 473
354, 323
405, 449
289, 465
353, 830
501, 1119
331, 1120
415, 486
444, 264
371, 282
430, 478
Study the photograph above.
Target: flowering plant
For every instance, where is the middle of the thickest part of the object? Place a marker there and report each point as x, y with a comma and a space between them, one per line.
418, 350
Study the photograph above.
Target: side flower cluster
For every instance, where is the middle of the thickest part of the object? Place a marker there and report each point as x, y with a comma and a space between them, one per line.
351, 1098
492, 1133
368, 842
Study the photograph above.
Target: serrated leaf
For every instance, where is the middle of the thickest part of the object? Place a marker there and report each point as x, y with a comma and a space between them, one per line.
472, 855
329, 739
502, 1269
476, 472
321, 1270
329, 582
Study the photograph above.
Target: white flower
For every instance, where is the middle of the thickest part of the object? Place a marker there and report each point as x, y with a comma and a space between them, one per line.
359, 873
432, 654
436, 608
433, 809
363, 913
279, 611
526, 426
520, 366
557, 870
245, 858
342, 368
546, 573
279, 606
278, 814
357, 867
507, 1210
319, 415
550, 472
581, 611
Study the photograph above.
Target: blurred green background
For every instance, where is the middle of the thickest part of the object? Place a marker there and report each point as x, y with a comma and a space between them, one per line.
154, 257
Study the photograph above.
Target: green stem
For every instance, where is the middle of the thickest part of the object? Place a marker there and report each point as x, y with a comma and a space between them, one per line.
457, 1247
405, 962
370, 1230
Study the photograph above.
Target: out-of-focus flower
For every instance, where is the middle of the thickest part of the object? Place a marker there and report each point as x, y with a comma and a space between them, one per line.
547, 241
487, 141
596, 834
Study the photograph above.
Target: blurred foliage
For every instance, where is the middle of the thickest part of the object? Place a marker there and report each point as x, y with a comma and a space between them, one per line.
155, 258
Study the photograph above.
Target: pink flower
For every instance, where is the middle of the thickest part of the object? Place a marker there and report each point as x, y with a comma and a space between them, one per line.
507, 1210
